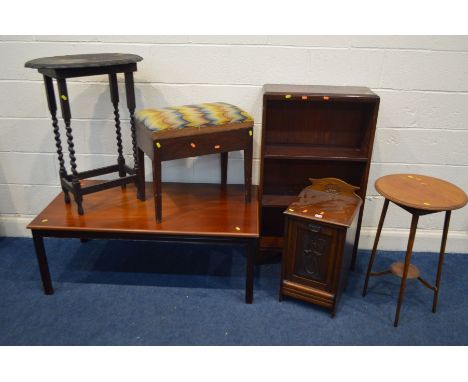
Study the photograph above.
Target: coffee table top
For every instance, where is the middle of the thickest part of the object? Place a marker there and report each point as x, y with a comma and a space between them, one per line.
83, 61
189, 209
421, 192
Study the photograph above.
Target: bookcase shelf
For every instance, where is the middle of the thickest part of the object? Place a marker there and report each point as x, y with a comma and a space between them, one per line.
313, 152
312, 132
277, 200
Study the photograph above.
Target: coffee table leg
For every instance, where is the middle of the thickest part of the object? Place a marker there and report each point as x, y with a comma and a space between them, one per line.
441, 260
409, 250
252, 249
376, 242
43, 265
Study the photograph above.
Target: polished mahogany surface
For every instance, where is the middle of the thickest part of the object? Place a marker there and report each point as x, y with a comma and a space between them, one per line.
327, 200
421, 192
189, 209
345, 91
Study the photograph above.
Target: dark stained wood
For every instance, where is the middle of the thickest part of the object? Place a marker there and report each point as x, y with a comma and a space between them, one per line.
190, 209
374, 248
202, 144
63, 67
419, 195
295, 152
89, 71
83, 61
52, 103
319, 90
409, 250
327, 200
289, 177
441, 260
42, 262
114, 92
224, 157
421, 192
398, 268
190, 142
313, 131
319, 243
195, 213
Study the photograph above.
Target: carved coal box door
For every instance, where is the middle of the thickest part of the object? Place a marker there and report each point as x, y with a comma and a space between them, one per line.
320, 231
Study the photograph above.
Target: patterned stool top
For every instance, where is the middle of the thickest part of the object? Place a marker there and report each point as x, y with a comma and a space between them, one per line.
199, 115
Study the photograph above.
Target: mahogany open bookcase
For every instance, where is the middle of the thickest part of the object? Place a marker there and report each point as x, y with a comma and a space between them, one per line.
312, 132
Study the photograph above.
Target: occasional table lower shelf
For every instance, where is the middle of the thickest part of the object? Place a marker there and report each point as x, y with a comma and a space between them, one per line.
194, 213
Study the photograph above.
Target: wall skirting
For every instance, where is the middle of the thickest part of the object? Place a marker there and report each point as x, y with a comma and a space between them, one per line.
391, 239
394, 239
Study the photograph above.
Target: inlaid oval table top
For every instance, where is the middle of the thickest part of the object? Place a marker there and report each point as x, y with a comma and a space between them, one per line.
83, 61
421, 192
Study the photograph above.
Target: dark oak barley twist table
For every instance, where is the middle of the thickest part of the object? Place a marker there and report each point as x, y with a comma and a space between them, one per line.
81, 65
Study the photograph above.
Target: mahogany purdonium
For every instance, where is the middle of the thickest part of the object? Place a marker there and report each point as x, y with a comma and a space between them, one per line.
320, 228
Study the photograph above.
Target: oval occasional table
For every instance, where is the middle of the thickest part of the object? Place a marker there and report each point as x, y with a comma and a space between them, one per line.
81, 65
419, 195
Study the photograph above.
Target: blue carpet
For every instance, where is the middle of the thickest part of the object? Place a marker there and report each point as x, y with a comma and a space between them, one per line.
141, 293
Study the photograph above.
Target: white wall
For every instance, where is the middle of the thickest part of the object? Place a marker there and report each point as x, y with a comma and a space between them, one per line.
422, 125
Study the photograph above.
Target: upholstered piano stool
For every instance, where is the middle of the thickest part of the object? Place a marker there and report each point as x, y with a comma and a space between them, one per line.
192, 130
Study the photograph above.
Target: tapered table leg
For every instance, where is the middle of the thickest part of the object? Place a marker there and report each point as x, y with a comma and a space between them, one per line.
374, 248
141, 192
409, 250
252, 249
42, 261
441, 260
224, 167
157, 186
248, 152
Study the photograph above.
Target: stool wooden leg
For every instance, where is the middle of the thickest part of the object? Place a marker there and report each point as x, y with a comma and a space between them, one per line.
157, 186
224, 167
248, 171
141, 192
409, 249
441, 260
376, 242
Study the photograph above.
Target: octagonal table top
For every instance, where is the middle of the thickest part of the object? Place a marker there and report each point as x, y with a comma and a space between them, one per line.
83, 61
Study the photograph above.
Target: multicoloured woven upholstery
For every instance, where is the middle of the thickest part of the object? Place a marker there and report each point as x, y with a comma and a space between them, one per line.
199, 115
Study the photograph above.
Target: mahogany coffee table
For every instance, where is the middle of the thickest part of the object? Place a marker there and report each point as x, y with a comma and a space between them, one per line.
419, 195
194, 213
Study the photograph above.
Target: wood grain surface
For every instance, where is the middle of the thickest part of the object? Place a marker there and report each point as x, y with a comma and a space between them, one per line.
421, 192
189, 209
